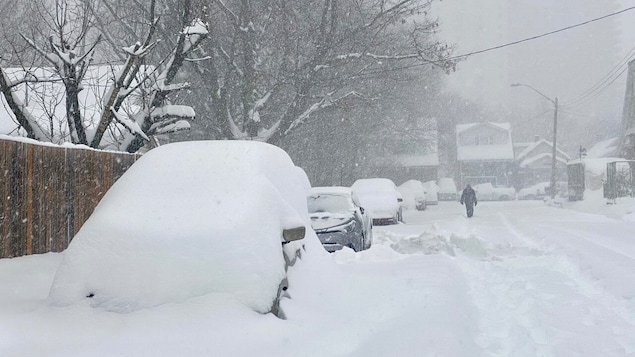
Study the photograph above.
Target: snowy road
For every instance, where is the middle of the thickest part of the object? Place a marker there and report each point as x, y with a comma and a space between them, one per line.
544, 281
518, 279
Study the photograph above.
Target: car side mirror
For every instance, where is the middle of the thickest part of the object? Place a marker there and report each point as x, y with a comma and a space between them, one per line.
293, 234
361, 209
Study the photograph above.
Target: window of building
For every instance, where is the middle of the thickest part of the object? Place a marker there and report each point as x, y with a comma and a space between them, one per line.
483, 140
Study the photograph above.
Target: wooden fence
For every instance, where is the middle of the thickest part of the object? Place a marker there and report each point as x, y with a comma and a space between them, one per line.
48, 192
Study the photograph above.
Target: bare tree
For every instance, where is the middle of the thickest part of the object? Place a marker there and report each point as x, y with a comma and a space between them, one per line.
70, 53
70, 59
272, 65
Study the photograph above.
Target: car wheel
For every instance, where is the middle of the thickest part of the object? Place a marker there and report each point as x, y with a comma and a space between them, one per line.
282, 293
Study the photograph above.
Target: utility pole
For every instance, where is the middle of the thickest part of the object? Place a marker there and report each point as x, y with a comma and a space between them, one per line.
625, 148
554, 151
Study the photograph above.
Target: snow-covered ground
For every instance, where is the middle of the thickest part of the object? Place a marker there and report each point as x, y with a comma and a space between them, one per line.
520, 278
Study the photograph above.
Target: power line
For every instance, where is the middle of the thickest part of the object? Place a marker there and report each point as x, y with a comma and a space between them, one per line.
465, 55
542, 35
611, 76
572, 113
597, 92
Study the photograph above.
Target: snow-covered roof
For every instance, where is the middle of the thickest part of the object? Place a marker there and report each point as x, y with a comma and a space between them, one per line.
527, 151
503, 126
528, 161
603, 148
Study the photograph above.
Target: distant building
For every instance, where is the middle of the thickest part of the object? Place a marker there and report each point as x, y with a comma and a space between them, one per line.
485, 153
534, 163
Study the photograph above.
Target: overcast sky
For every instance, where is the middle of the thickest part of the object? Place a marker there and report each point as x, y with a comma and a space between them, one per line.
565, 65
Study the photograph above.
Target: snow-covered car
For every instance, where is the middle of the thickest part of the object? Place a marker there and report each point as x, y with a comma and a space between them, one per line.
379, 196
432, 192
414, 195
338, 219
447, 189
192, 219
488, 192
534, 192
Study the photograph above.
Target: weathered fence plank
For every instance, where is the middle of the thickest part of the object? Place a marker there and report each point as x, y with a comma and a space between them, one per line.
48, 192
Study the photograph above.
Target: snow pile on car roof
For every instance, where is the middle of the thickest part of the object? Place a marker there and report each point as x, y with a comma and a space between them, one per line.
186, 220
410, 190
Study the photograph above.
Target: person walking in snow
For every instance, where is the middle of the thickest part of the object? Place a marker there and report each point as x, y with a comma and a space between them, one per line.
469, 198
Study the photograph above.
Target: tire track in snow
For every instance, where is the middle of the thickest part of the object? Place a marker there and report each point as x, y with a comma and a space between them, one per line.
598, 263
533, 298
539, 303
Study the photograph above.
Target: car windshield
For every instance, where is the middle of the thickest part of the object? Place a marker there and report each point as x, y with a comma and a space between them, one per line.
329, 203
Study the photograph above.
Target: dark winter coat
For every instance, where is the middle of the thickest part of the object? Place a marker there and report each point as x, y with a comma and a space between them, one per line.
469, 196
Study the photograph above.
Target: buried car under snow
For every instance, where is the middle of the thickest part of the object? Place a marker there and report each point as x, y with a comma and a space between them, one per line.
432, 192
338, 219
447, 189
534, 192
191, 219
380, 197
413, 193
488, 192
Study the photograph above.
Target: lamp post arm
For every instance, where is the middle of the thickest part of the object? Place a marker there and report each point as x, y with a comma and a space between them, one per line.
535, 90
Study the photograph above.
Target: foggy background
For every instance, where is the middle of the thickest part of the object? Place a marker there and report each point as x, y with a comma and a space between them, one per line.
369, 112
584, 67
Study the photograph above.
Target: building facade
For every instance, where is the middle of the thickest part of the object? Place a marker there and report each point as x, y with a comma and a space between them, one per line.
485, 153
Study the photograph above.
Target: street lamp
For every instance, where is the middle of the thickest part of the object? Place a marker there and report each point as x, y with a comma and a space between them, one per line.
555, 130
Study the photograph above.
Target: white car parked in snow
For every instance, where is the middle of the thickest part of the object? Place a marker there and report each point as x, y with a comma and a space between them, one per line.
381, 198
447, 189
432, 192
489, 192
414, 195
534, 192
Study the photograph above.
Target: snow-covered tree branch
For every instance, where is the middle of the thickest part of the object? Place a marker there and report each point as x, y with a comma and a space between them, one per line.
135, 105
296, 54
